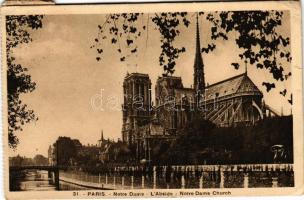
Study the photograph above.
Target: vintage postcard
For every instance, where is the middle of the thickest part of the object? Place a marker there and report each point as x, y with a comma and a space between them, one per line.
152, 100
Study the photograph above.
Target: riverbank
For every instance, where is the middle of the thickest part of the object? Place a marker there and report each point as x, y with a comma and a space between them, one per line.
159, 177
175, 177
84, 184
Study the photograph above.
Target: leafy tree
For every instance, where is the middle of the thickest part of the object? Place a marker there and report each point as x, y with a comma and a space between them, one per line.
120, 152
65, 150
40, 160
194, 138
18, 81
125, 29
255, 32
201, 140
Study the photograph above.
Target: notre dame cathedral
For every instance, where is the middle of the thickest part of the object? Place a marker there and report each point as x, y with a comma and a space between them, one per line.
230, 102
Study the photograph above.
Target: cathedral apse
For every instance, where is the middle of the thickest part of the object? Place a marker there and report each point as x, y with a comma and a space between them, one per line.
233, 102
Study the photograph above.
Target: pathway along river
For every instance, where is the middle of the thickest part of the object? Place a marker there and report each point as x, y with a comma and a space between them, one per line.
239, 176
37, 180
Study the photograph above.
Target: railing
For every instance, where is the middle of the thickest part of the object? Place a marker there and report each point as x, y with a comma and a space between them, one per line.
209, 176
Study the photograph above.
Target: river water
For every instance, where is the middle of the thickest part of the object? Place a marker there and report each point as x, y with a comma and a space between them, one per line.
36, 180
31, 180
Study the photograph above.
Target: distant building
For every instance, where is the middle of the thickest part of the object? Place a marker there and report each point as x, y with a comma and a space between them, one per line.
111, 151
104, 148
230, 102
51, 155
20, 161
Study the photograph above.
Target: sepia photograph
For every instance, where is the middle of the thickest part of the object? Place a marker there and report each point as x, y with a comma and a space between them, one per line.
144, 101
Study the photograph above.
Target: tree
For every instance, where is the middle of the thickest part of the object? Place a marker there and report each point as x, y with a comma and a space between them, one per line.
40, 160
194, 138
65, 150
255, 32
18, 81
125, 29
202, 141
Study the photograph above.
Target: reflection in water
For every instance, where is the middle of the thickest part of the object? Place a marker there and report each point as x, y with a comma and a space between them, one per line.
37, 180
31, 180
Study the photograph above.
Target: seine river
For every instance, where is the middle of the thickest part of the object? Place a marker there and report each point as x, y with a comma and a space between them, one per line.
35, 180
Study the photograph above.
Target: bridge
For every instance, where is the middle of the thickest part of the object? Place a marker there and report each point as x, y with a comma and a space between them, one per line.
32, 167
53, 171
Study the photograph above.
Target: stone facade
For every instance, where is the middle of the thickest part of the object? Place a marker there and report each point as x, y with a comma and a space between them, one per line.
230, 102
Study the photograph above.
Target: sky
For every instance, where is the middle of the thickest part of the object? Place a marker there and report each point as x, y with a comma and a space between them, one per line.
69, 78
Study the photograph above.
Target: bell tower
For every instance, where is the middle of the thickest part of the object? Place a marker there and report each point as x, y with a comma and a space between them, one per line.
136, 106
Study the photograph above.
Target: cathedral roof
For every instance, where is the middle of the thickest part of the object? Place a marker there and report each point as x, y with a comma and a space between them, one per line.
233, 85
230, 86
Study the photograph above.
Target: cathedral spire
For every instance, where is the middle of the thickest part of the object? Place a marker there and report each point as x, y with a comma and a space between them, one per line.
199, 76
101, 136
198, 43
246, 67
